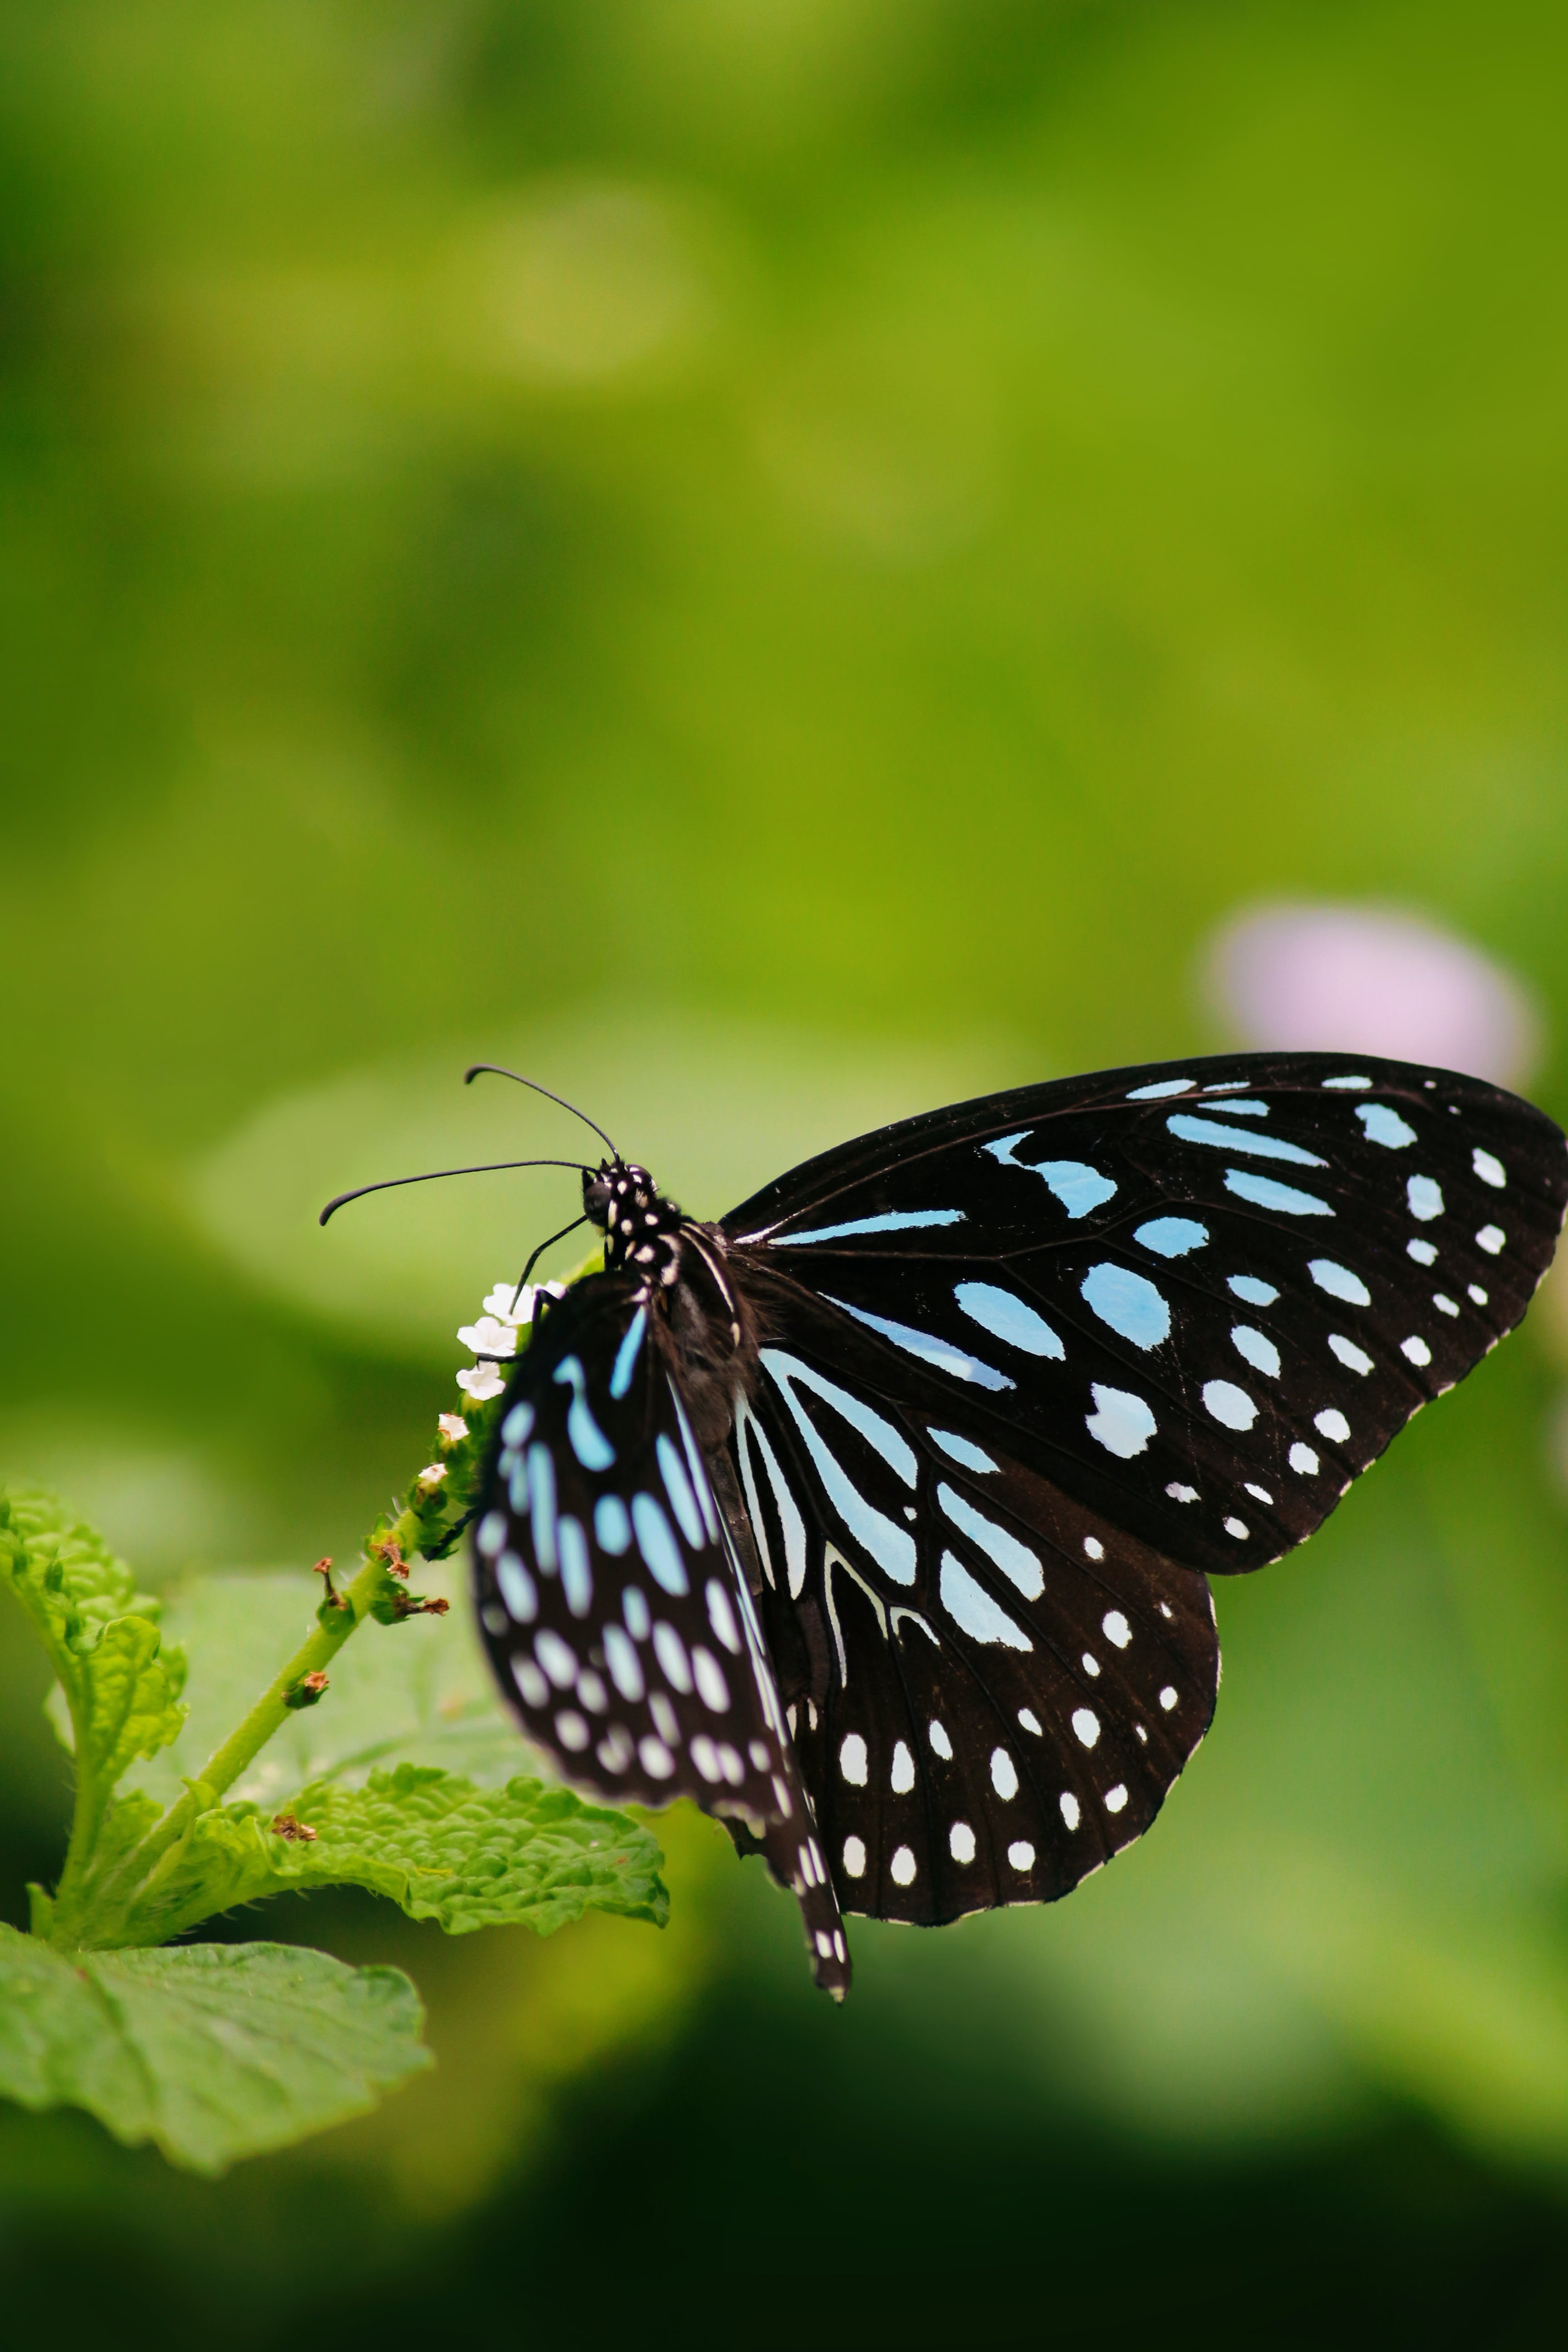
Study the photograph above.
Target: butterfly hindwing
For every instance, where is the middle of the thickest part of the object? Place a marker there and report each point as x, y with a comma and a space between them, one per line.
1201, 1302
610, 1600
988, 1714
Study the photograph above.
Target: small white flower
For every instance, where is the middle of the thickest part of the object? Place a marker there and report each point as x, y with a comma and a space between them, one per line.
490, 1337
481, 1381
509, 1305
431, 1475
453, 1427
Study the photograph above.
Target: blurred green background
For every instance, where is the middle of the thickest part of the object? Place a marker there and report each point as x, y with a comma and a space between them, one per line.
786, 560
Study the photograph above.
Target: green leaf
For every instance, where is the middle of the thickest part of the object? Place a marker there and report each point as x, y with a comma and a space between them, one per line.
214, 2052
419, 1693
132, 1695
532, 1854
120, 1683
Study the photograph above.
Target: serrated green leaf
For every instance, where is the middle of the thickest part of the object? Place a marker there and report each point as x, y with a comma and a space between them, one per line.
419, 1693
532, 1854
214, 2052
65, 1578
119, 1681
131, 1688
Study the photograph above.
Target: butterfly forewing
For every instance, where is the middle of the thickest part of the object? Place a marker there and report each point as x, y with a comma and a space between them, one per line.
1201, 1302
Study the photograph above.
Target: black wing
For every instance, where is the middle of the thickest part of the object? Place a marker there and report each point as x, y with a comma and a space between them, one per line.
1200, 1300
615, 1618
1032, 1361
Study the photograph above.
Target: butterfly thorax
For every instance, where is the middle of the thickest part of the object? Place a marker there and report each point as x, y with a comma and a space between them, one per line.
677, 1265
641, 1228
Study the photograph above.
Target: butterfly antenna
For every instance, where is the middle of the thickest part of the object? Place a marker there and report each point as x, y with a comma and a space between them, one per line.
496, 1070
434, 1175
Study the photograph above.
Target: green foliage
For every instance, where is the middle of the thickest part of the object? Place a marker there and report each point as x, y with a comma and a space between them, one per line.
528, 1855
428, 1698
215, 2052
120, 1683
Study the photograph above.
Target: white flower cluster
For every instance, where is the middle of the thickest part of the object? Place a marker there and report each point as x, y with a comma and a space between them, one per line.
506, 1310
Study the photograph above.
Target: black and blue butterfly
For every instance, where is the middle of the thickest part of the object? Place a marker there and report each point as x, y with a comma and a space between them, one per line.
877, 1517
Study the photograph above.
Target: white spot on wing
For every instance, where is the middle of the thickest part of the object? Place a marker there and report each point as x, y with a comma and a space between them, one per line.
1086, 1725
1120, 1422
1256, 1349
1229, 1405
1489, 1170
852, 1759
901, 1869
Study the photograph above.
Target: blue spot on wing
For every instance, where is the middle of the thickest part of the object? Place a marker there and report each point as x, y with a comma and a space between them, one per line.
972, 1607
960, 1450
626, 1354
940, 1354
656, 1541
1385, 1125
1128, 1304
895, 1221
1016, 1561
1264, 1193
1079, 1187
587, 1439
1241, 1138
1009, 1318
1172, 1236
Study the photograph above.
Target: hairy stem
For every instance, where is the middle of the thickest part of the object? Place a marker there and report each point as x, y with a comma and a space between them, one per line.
76, 1922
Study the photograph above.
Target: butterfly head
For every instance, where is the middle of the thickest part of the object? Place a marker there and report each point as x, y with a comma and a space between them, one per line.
640, 1226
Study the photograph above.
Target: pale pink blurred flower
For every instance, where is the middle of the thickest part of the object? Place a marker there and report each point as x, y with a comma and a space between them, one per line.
431, 1477
1371, 980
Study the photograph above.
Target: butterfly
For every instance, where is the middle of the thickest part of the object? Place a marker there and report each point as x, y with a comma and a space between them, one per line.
877, 1517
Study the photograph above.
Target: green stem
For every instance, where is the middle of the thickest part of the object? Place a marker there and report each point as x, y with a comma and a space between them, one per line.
73, 1922
92, 1795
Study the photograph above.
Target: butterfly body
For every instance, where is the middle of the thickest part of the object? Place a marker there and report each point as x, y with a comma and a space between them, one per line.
877, 1517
